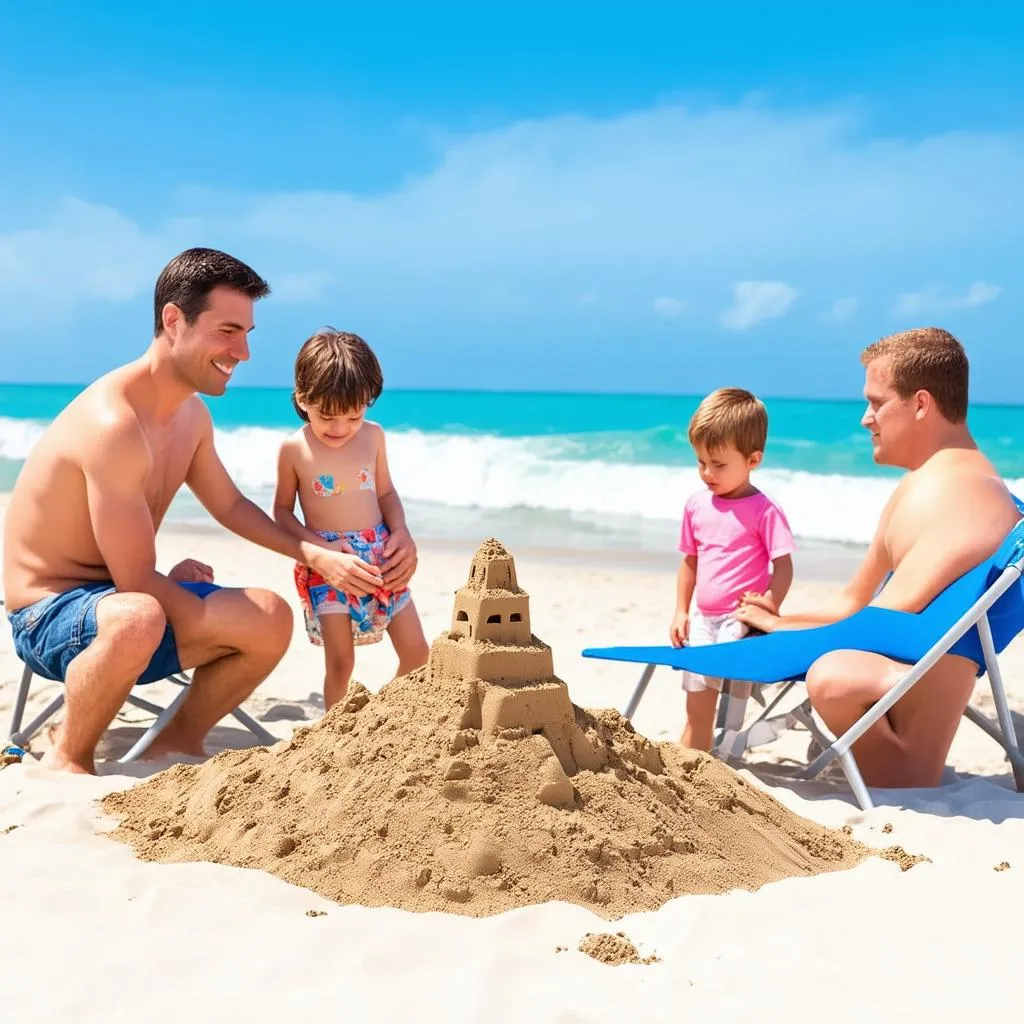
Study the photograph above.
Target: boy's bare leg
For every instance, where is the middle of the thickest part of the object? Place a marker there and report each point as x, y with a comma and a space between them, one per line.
700, 719
245, 634
339, 656
908, 746
129, 628
406, 633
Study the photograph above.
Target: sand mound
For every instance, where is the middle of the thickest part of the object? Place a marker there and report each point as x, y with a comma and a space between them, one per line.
474, 785
613, 949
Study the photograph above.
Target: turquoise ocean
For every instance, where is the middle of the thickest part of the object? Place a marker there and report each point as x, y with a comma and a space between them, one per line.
584, 471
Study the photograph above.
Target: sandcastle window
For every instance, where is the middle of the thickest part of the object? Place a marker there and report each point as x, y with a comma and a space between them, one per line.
462, 617
494, 618
515, 617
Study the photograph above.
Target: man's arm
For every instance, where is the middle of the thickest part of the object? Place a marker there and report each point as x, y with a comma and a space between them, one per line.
117, 467
855, 595
209, 481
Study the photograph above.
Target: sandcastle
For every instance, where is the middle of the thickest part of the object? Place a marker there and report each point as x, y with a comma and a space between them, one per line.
475, 785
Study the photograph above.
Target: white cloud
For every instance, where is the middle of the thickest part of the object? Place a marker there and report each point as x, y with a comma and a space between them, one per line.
754, 301
528, 214
668, 308
934, 300
842, 309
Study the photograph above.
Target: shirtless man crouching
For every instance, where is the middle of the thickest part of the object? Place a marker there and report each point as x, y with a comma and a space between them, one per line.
85, 600
948, 514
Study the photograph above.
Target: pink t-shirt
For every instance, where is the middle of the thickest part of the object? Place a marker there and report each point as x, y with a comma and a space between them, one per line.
735, 541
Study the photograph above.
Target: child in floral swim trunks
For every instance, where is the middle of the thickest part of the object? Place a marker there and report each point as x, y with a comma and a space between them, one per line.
337, 467
735, 543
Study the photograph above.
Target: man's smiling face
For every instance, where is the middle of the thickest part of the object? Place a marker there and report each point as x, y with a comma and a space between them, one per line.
207, 351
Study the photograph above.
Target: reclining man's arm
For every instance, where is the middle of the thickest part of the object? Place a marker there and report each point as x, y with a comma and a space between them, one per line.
855, 595
117, 468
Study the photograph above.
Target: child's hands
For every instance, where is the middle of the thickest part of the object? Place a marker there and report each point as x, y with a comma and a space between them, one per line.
348, 572
400, 559
679, 631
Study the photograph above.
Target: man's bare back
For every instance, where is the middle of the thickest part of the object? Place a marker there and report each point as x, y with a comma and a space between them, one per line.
49, 540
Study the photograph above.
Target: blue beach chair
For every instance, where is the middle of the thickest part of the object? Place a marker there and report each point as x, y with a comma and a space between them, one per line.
976, 616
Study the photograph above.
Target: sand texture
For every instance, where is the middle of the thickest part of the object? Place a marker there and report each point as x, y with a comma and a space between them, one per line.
98, 936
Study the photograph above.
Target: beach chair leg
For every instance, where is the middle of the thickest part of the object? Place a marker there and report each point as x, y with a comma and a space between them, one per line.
22, 736
856, 781
638, 693
730, 741
146, 739
19, 704
1008, 739
254, 727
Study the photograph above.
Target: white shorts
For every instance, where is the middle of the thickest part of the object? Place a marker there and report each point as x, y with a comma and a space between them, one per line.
706, 630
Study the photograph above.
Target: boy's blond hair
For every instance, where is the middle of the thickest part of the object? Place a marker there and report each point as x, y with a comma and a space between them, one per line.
730, 416
926, 359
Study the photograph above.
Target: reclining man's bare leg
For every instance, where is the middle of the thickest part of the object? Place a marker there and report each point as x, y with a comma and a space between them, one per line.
907, 746
246, 635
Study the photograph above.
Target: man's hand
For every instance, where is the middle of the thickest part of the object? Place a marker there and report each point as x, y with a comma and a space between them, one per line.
191, 571
758, 612
339, 545
679, 631
765, 601
347, 572
400, 559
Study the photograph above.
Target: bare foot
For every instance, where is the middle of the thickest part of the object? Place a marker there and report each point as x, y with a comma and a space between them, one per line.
56, 760
168, 746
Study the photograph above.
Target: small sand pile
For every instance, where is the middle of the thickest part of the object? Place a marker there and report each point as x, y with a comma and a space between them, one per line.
474, 785
613, 949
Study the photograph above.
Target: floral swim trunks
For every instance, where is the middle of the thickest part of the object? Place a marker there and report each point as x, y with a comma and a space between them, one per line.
370, 614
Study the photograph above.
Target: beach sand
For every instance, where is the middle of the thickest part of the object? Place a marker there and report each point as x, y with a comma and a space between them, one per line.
93, 934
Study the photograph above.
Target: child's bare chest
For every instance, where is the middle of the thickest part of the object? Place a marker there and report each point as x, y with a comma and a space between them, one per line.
338, 482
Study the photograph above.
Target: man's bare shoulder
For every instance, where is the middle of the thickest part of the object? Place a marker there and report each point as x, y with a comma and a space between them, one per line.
957, 505
956, 479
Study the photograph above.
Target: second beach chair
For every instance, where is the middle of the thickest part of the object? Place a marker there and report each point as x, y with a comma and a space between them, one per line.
976, 616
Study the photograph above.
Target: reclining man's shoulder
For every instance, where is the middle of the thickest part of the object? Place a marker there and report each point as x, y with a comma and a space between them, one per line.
955, 504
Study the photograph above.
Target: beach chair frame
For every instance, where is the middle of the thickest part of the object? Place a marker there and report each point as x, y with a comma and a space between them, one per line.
839, 748
19, 736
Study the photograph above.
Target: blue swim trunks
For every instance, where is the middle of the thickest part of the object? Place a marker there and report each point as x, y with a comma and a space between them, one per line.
53, 631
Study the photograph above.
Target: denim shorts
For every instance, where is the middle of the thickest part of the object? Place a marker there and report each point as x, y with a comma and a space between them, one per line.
55, 630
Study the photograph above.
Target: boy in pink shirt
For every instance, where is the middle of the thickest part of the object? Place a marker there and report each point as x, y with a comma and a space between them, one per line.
734, 541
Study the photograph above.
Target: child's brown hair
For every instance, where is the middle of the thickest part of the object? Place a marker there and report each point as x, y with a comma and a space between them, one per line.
730, 416
337, 372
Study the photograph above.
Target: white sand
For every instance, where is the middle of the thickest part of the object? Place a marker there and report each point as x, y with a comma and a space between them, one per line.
92, 934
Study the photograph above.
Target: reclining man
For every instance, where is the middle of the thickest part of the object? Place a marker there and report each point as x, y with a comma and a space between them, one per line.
949, 513
85, 600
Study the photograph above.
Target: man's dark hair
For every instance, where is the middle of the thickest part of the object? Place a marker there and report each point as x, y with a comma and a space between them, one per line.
336, 372
190, 277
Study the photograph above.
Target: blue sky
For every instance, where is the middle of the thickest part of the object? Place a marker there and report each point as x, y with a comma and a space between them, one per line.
638, 197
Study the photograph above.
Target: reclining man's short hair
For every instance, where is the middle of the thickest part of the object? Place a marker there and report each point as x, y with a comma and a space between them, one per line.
926, 359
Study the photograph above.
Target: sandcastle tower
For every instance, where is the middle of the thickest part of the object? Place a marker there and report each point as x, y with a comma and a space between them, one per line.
514, 689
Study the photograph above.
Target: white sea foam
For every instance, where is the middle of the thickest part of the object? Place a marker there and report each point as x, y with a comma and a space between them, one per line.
542, 474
